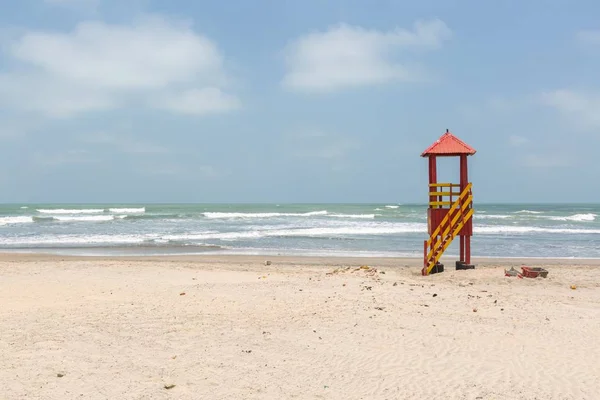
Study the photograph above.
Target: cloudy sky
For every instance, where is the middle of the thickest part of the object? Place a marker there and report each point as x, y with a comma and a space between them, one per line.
296, 101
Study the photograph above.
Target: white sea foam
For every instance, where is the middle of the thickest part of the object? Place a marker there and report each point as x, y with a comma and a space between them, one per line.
492, 216
85, 218
576, 218
392, 207
224, 215
127, 210
355, 230
71, 211
353, 216
65, 240
24, 207
528, 212
325, 229
530, 229
235, 215
15, 220
313, 213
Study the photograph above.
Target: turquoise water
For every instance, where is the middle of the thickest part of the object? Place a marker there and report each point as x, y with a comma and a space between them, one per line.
515, 230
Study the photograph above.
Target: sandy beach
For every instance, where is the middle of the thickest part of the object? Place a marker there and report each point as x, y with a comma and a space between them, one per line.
231, 327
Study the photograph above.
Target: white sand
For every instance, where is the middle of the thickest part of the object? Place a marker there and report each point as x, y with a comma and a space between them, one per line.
120, 329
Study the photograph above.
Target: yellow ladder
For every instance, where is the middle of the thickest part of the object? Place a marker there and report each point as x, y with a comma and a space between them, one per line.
458, 215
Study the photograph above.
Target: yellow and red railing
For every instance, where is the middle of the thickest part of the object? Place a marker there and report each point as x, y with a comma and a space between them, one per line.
458, 215
436, 194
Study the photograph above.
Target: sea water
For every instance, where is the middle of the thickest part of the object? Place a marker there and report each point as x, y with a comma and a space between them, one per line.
387, 230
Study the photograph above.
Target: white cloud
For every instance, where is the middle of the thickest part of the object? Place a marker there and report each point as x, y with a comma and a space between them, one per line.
198, 102
350, 56
99, 66
152, 53
579, 107
52, 97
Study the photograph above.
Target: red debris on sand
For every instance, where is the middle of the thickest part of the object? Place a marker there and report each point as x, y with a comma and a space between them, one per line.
534, 272
513, 272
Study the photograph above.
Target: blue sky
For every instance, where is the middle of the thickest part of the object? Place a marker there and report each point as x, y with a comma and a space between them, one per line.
289, 101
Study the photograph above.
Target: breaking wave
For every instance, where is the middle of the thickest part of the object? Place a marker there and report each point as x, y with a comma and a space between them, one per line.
15, 220
530, 229
491, 216
353, 216
576, 218
306, 232
70, 211
236, 215
127, 210
82, 218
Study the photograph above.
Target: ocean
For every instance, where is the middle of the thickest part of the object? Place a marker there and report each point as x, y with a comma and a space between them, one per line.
384, 230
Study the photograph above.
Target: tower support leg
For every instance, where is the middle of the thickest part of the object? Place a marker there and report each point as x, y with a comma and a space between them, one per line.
468, 249
462, 248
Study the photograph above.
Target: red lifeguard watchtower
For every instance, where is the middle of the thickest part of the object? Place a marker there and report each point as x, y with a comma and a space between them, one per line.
450, 212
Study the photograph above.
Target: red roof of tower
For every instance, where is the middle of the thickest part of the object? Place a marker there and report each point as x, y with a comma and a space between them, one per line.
448, 145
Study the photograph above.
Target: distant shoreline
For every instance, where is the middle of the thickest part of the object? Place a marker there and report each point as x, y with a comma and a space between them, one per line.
284, 203
294, 259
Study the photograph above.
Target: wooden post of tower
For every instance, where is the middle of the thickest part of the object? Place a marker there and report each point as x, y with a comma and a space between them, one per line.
450, 209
